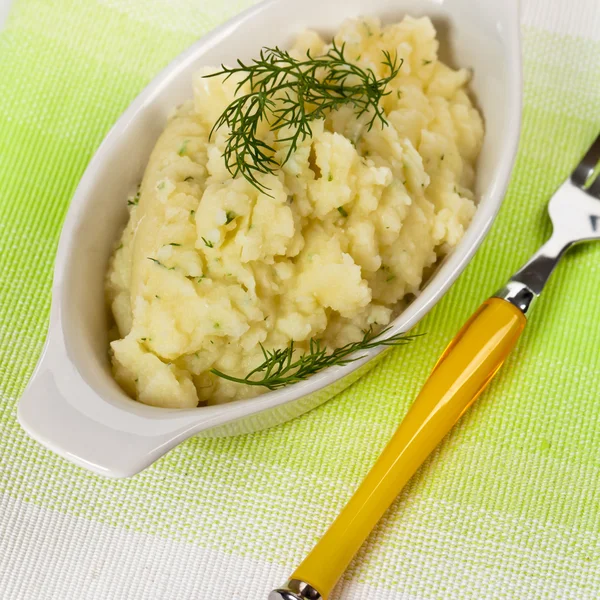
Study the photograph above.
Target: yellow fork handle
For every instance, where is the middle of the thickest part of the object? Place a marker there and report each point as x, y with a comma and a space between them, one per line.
460, 375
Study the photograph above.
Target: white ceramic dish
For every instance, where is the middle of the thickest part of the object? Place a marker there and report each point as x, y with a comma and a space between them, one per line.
72, 404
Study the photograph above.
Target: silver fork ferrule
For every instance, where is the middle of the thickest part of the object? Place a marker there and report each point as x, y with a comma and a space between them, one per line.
295, 589
517, 293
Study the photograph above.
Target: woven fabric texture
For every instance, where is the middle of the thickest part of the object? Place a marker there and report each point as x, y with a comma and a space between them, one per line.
508, 506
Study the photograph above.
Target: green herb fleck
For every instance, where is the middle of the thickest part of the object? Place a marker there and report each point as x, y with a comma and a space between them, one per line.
154, 260
173, 244
183, 148
390, 278
120, 246
192, 212
161, 186
229, 216
330, 177
342, 211
427, 62
208, 243
195, 278
190, 178
217, 325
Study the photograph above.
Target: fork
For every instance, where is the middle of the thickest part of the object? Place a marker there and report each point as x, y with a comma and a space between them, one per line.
465, 368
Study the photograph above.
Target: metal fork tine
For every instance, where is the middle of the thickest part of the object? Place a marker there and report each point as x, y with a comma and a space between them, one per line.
594, 189
587, 165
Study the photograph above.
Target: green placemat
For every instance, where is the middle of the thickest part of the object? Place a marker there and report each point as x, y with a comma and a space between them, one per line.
509, 504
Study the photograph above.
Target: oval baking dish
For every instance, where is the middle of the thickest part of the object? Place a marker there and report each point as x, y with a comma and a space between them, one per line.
72, 404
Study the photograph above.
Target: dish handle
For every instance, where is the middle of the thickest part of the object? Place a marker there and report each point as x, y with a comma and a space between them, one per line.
115, 439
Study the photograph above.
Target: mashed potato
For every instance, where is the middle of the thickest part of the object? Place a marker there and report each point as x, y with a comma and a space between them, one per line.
208, 267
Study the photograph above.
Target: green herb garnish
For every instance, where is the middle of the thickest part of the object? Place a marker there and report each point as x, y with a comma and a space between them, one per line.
342, 211
427, 62
290, 93
208, 243
280, 368
229, 216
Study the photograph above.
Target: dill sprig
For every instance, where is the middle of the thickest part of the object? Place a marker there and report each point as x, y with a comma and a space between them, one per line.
290, 93
281, 368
